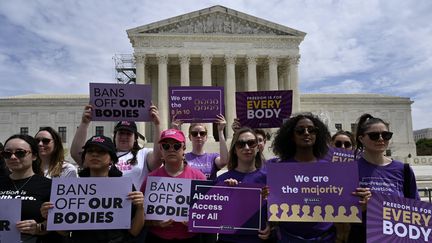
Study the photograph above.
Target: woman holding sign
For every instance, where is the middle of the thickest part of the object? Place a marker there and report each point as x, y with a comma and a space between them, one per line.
245, 161
373, 137
133, 161
303, 138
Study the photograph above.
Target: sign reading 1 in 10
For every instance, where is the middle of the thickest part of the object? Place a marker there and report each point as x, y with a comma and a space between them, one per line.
196, 104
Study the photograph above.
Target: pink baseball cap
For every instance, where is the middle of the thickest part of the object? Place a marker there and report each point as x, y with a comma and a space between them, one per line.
173, 134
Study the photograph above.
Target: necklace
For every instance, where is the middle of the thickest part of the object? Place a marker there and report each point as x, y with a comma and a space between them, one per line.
25, 183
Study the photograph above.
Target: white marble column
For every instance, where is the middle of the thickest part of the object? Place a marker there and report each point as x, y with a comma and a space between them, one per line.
281, 77
293, 74
252, 84
273, 74
184, 69
162, 60
206, 61
265, 75
230, 85
140, 78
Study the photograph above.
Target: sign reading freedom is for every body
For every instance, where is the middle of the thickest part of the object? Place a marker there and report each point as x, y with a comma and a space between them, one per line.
90, 203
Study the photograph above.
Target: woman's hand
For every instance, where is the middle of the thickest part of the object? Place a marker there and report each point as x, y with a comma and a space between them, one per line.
265, 233
46, 206
221, 122
365, 195
236, 125
87, 114
28, 227
137, 198
265, 192
231, 182
176, 123
154, 114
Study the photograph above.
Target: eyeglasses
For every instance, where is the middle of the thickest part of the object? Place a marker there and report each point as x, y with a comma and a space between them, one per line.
18, 153
339, 144
195, 133
302, 130
374, 136
167, 146
45, 141
242, 143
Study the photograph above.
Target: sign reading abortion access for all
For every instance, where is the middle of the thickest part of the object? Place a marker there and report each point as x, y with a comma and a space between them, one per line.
90, 203
226, 209
339, 155
196, 104
120, 102
397, 219
263, 109
167, 198
313, 192
10, 214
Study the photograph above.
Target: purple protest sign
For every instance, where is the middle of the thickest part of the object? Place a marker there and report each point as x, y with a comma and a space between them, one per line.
397, 219
196, 103
167, 198
339, 155
90, 203
226, 209
263, 109
313, 192
10, 214
120, 102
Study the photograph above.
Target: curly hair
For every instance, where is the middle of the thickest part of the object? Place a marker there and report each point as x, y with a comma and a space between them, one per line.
36, 164
233, 158
363, 123
284, 145
57, 157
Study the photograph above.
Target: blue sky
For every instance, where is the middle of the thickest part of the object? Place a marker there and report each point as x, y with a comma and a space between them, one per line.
369, 46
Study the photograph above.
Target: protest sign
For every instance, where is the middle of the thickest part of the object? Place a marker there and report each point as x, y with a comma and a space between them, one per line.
10, 214
120, 102
167, 198
313, 192
397, 219
226, 209
196, 103
263, 109
339, 155
90, 203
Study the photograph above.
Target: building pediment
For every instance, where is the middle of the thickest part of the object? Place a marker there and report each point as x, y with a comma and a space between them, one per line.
216, 20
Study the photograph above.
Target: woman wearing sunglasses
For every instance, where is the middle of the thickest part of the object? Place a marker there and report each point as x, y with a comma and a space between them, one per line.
304, 138
172, 145
373, 137
26, 182
51, 153
244, 165
343, 139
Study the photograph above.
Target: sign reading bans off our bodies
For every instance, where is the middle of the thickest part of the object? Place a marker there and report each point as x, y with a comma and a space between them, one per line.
10, 214
120, 102
90, 203
167, 198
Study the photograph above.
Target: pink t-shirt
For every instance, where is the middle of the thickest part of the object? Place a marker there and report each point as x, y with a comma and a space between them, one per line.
178, 230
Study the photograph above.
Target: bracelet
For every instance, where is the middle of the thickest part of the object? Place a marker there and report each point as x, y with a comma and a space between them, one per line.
38, 228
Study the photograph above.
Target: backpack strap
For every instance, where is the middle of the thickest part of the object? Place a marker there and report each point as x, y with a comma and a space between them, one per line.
407, 181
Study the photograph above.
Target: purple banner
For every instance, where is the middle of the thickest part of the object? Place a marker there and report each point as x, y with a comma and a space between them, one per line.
90, 203
120, 102
339, 155
196, 103
397, 219
313, 192
10, 214
167, 198
263, 109
226, 209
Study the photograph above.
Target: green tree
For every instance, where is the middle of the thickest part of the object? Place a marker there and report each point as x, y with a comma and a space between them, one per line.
424, 147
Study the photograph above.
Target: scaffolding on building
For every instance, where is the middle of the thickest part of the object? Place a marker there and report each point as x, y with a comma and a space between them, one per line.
125, 68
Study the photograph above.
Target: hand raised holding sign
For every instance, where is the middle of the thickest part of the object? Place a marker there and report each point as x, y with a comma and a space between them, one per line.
154, 114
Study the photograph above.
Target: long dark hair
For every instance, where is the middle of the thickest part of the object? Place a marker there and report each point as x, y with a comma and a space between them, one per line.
364, 122
36, 164
233, 158
134, 150
57, 157
284, 146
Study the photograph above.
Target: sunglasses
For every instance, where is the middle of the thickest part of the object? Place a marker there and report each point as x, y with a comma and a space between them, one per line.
346, 144
302, 130
374, 136
45, 141
167, 146
242, 143
195, 133
18, 153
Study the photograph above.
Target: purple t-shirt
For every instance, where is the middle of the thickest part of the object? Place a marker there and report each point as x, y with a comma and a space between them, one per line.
205, 163
255, 177
306, 230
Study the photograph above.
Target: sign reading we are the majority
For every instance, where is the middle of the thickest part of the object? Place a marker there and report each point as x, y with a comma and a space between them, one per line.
167, 198
313, 192
10, 214
217, 208
196, 103
90, 203
120, 102
397, 219
263, 109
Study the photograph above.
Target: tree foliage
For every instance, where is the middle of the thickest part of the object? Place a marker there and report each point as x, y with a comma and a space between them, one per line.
424, 147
